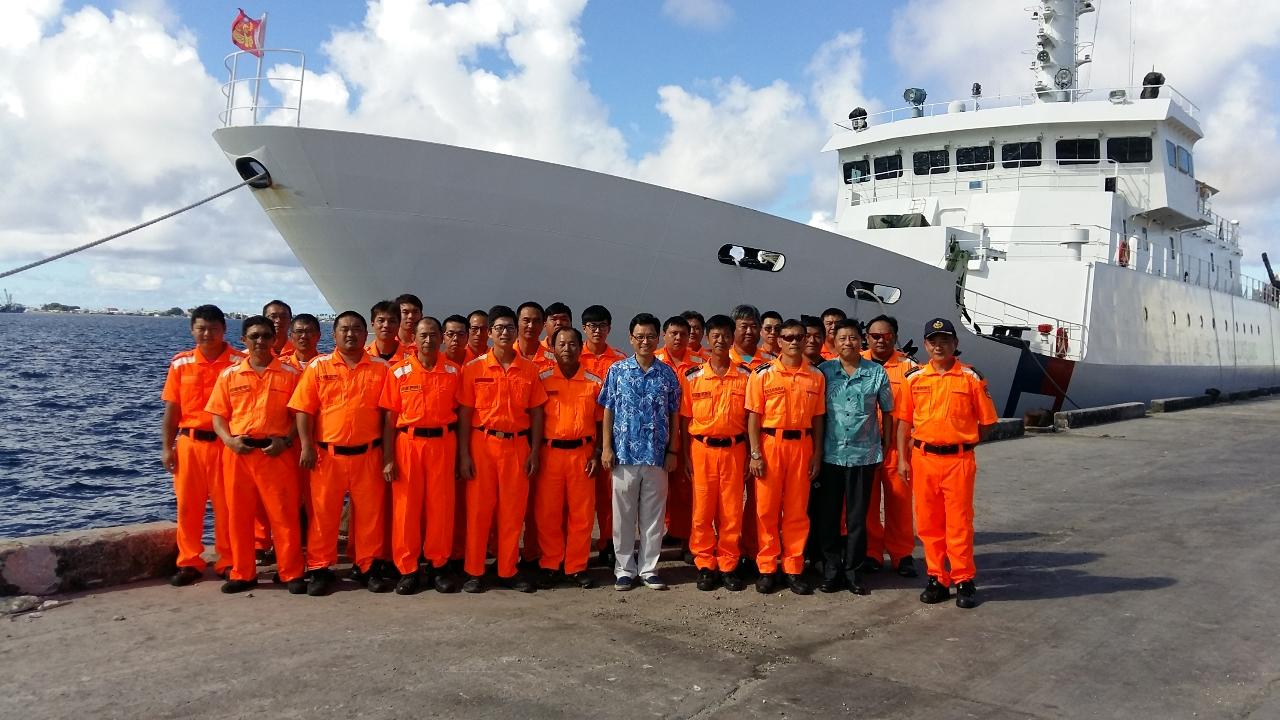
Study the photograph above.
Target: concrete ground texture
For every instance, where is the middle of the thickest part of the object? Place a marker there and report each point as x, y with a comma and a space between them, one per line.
1125, 571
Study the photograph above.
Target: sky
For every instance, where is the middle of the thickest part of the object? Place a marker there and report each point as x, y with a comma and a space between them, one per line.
106, 109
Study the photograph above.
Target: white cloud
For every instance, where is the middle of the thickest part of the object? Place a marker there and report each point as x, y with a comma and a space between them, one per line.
699, 14
125, 280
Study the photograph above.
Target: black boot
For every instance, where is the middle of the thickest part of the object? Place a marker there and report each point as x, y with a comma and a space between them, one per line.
236, 586
935, 592
382, 576
966, 595
185, 576
708, 579
321, 582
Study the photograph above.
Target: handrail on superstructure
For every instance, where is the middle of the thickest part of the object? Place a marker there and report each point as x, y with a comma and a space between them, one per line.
1076, 332
237, 87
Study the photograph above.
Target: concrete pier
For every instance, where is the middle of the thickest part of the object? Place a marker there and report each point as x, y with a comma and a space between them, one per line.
1123, 573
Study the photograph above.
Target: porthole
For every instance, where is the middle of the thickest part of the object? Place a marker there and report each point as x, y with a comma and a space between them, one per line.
751, 258
863, 290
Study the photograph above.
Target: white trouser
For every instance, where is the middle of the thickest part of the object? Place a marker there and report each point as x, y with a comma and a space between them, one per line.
639, 503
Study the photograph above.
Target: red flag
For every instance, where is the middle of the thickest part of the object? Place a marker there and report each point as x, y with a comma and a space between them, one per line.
246, 33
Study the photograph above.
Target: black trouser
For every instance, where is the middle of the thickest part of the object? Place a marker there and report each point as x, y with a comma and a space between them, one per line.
840, 489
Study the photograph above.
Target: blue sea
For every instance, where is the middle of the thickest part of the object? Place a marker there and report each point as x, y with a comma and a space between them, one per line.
80, 420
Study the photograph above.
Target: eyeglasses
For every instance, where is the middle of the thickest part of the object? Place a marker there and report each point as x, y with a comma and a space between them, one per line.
258, 337
645, 338
503, 329
792, 338
879, 336
595, 326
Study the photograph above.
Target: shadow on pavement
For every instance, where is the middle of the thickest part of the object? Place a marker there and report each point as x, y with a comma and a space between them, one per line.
1043, 575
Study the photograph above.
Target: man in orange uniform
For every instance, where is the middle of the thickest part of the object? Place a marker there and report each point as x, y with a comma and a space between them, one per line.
558, 315
530, 320
421, 400
566, 498
410, 307
697, 326
746, 351
895, 535
597, 357
188, 445
830, 318
501, 402
786, 402
945, 408
713, 400
770, 326
676, 354
281, 317
385, 318
454, 348
340, 432
815, 340
477, 334
249, 405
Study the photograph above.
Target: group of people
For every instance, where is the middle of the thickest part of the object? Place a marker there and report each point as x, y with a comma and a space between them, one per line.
761, 444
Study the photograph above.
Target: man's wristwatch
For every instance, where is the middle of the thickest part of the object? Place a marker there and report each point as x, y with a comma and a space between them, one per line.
755, 455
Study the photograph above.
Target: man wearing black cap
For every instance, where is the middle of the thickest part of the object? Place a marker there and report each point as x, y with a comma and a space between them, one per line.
945, 407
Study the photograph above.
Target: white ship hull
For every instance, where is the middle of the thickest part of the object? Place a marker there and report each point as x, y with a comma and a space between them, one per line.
370, 217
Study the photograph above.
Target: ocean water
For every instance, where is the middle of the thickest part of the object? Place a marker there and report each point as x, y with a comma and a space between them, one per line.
80, 420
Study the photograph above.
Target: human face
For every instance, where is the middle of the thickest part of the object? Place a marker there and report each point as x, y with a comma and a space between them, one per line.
848, 344
746, 335
557, 321
410, 314
676, 340
455, 338
829, 323
386, 326
208, 335
349, 335
941, 347
719, 341
304, 336
477, 333
503, 333
882, 339
813, 339
769, 332
567, 349
597, 333
258, 342
531, 323
791, 341
644, 340
280, 318
427, 338
695, 332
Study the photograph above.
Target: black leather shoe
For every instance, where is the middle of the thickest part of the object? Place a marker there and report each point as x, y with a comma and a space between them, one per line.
935, 592
798, 584
584, 581
907, 568
321, 582
766, 583
235, 586
733, 582
857, 585
606, 557
547, 579
872, 565
381, 577
185, 576
445, 582
519, 583
966, 595
297, 586
473, 584
408, 584
831, 584
358, 576
708, 579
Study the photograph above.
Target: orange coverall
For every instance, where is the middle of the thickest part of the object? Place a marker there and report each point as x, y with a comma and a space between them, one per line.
895, 535
565, 497
715, 408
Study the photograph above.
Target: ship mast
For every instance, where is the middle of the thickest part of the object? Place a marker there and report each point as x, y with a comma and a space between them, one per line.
1056, 64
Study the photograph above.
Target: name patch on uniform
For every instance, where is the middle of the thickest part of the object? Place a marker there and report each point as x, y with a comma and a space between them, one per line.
771, 392
484, 380
410, 388
237, 389
553, 392
701, 395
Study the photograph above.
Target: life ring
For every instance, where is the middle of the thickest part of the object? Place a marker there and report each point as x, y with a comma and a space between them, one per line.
1061, 342
1123, 255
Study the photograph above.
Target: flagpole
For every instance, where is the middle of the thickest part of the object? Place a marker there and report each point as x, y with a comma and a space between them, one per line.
257, 83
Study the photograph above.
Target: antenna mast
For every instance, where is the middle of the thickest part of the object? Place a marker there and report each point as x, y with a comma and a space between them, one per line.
1056, 65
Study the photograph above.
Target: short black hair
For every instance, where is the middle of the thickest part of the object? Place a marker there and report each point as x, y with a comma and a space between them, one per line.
848, 324
676, 320
719, 322
694, 315
837, 312
559, 308
770, 314
530, 304
474, 313
385, 307
208, 313
432, 319
455, 318
281, 303
595, 314
409, 298
643, 319
306, 318
893, 322
497, 312
577, 334
810, 321
350, 313
254, 321
746, 312
791, 323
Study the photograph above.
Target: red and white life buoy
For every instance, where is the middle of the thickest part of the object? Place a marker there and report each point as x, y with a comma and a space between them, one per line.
1061, 342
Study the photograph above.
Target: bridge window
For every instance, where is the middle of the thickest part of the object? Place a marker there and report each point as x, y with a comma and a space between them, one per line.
1171, 153
979, 157
931, 162
889, 166
1078, 151
1185, 163
1020, 154
856, 171
751, 258
1129, 149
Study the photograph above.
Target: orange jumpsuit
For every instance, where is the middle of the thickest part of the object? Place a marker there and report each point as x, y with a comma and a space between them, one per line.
424, 405
402, 351
198, 478
787, 401
895, 536
501, 400
543, 359
945, 410
256, 408
749, 544
715, 408
679, 489
565, 498
343, 402
599, 365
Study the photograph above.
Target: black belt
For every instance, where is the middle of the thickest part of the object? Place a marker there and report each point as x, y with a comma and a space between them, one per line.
259, 443
201, 435
788, 434
503, 435
944, 449
351, 449
569, 444
430, 432
713, 441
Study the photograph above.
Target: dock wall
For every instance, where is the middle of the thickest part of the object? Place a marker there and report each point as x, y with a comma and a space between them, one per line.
85, 559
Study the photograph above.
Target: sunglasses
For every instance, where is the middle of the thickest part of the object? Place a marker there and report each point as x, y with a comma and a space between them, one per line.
791, 338
879, 336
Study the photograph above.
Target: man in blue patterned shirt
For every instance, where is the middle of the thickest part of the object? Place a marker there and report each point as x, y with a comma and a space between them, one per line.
641, 399
857, 391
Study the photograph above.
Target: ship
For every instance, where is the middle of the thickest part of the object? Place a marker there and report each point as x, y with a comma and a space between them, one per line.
1064, 231
9, 306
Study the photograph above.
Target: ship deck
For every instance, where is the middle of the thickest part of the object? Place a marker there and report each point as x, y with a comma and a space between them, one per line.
1122, 574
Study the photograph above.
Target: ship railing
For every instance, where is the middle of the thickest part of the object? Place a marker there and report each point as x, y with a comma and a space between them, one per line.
1044, 333
1133, 182
1212, 274
253, 98
1131, 94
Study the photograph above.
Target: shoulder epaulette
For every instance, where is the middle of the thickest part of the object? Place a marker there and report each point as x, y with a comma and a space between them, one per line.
972, 371
693, 372
402, 370
763, 368
546, 374
290, 368
912, 371
450, 367
478, 358
325, 357
227, 371
592, 377
182, 353
183, 358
